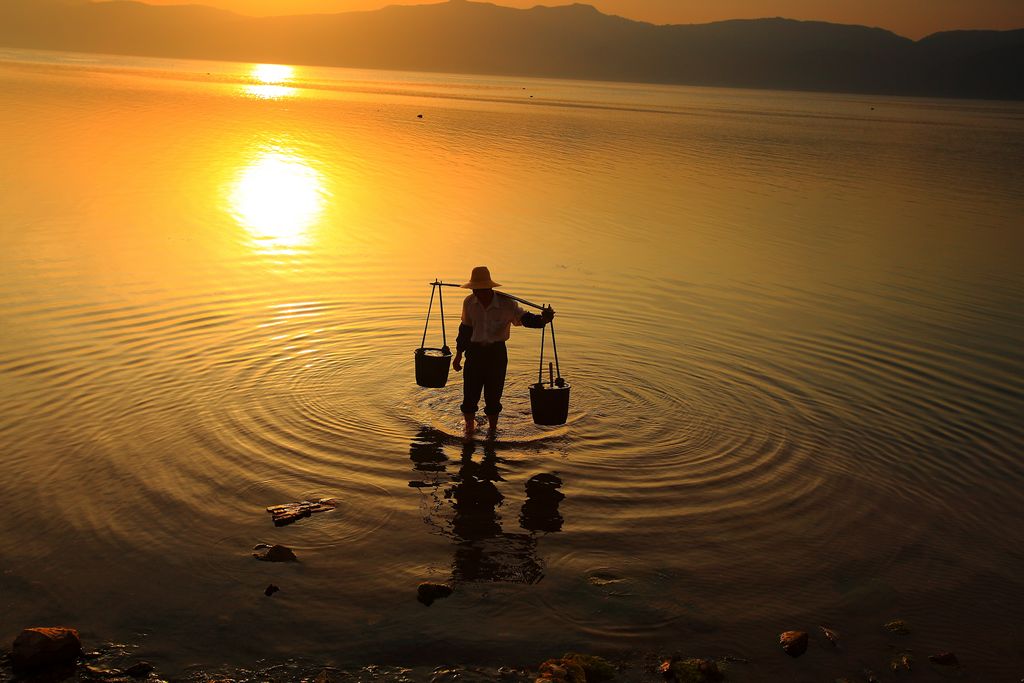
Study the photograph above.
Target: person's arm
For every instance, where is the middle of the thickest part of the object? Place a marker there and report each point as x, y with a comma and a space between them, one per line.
536, 320
462, 341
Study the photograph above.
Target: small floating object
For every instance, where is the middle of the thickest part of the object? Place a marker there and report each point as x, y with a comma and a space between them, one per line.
286, 513
271, 589
831, 635
794, 643
419, 116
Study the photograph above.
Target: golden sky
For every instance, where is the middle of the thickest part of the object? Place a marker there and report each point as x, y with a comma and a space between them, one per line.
911, 18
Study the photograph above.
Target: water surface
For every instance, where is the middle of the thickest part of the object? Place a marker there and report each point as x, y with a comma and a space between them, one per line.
792, 325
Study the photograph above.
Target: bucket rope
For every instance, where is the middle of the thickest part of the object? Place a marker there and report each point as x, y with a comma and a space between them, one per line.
540, 369
554, 347
444, 336
435, 287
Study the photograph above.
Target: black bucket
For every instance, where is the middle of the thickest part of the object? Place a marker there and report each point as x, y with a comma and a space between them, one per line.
549, 404
432, 367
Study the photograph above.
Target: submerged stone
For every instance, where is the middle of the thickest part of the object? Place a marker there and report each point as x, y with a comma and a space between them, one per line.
275, 553
945, 659
897, 626
793, 642
139, 669
41, 648
428, 592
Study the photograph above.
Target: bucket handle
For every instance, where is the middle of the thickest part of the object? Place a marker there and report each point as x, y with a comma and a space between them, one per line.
435, 286
540, 370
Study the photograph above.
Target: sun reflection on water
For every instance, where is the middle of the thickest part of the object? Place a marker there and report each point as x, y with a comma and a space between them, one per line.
277, 198
270, 80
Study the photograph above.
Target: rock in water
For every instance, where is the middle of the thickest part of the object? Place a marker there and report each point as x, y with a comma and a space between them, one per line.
945, 659
897, 626
270, 590
561, 671
275, 553
41, 648
677, 670
794, 642
904, 660
666, 670
596, 669
139, 670
428, 592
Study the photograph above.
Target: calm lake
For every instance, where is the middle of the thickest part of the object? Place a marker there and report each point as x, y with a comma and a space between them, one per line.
792, 323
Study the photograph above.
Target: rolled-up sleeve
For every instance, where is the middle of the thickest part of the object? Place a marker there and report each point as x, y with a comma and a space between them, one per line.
533, 320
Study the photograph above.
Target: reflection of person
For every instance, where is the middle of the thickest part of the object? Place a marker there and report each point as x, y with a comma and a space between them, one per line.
487, 319
467, 508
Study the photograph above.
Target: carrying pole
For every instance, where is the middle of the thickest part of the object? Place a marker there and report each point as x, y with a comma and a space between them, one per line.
507, 296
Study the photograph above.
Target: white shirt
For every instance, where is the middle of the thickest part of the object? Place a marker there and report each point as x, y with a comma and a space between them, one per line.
493, 323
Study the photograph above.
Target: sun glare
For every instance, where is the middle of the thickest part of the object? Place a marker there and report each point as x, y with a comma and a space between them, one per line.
272, 74
270, 81
277, 198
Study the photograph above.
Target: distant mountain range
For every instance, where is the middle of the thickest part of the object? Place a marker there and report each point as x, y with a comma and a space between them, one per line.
570, 41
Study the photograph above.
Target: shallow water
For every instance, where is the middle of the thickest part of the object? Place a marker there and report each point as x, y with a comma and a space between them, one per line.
791, 322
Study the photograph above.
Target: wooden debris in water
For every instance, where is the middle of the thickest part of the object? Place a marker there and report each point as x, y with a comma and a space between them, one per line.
286, 513
831, 635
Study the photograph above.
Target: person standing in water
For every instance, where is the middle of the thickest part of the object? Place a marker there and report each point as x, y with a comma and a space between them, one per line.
487, 319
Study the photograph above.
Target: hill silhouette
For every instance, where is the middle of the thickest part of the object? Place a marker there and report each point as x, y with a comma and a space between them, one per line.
570, 41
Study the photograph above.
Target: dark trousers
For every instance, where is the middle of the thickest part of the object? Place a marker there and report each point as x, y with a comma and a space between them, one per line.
485, 369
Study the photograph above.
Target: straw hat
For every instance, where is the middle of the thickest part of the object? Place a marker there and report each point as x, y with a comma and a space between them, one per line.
480, 279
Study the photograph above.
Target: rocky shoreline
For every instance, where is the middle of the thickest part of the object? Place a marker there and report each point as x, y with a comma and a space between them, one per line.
51, 654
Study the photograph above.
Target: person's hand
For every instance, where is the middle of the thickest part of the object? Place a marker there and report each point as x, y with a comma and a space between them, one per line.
548, 314
457, 363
